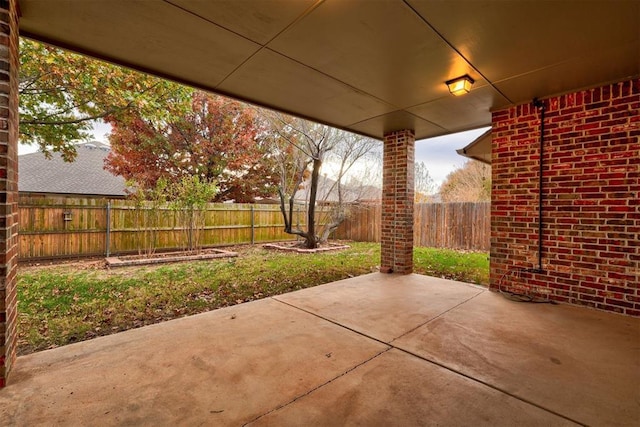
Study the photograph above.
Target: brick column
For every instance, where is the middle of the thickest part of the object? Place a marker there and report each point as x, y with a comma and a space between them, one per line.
8, 184
397, 202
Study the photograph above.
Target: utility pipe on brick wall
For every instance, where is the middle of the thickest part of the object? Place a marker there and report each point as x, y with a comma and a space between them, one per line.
540, 105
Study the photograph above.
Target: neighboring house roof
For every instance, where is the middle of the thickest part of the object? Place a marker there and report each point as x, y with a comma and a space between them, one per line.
85, 175
479, 149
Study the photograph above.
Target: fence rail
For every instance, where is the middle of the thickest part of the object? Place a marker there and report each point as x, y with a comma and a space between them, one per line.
58, 227
439, 225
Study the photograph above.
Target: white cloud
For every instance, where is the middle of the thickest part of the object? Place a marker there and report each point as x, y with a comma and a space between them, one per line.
439, 154
101, 131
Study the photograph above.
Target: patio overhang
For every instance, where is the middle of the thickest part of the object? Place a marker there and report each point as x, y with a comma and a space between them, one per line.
367, 67
479, 149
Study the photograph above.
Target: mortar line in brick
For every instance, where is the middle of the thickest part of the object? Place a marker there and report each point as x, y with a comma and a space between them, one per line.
589, 197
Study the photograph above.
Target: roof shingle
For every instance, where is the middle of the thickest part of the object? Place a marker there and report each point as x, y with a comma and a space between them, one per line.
85, 175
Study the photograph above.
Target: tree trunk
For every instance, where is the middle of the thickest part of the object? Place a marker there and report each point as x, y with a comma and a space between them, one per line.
338, 212
337, 218
287, 219
311, 240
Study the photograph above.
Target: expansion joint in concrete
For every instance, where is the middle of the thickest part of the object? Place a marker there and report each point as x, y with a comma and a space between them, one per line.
364, 362
436, 317
391, 346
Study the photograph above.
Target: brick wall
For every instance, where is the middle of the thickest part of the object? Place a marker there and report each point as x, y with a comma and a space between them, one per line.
396, 236
591, 199
8, 184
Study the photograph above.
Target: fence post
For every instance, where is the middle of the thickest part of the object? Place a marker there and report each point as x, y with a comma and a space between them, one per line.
253, 231
108, 237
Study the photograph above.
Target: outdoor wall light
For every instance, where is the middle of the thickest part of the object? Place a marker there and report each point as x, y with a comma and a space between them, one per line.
460, 85
67, 215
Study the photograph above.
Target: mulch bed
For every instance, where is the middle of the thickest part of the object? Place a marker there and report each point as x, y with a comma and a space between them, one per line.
166, 257
297, 248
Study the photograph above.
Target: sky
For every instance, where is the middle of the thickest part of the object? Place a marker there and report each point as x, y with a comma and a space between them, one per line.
438, 154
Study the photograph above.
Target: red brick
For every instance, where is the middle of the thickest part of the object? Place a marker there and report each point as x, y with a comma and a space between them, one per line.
397, 202
8, 186
590, 179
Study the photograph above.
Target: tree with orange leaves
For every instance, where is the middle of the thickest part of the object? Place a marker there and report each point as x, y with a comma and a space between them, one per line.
217, 139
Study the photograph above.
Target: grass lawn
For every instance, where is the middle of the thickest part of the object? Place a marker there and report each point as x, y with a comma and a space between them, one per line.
65, 303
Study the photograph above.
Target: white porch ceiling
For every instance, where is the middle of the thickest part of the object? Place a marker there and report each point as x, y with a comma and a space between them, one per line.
369, 66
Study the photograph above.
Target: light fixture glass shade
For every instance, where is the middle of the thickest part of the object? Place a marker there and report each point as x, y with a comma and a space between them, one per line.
460, 85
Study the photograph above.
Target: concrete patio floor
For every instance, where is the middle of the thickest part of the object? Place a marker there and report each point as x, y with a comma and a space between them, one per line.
372, 350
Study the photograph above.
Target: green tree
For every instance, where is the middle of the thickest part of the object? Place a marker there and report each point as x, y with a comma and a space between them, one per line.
149, 205
62, 94
189, 197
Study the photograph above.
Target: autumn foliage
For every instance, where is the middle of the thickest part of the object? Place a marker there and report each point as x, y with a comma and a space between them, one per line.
217, 139
62, 94
470, 183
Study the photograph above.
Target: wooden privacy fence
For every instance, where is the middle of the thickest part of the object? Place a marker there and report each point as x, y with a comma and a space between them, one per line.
58, 227
438, 225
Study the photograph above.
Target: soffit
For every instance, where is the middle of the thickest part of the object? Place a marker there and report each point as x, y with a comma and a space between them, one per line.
366, 66
532, 48
479, 149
